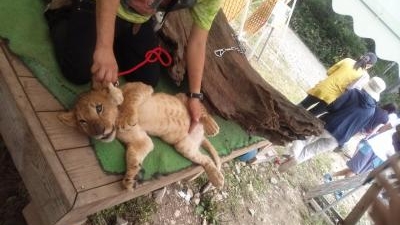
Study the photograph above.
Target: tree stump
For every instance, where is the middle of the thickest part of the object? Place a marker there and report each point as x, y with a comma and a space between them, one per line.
233, 89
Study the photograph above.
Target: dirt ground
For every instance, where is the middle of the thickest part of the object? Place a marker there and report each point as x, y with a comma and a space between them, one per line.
253, 194
257, 195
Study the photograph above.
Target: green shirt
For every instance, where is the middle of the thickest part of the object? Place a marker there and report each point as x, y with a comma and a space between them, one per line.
203, 13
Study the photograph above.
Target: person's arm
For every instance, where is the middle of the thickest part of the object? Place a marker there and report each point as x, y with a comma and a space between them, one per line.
337, 104
105, 67
383, 214
396, 139
196, 51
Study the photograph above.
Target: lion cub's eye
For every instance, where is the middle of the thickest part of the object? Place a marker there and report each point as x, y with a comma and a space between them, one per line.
99, 108
82, 122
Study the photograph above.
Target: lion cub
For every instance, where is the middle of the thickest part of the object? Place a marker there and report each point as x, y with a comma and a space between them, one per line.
134, 112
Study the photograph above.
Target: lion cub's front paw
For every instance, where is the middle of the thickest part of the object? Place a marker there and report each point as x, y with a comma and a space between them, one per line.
126, 120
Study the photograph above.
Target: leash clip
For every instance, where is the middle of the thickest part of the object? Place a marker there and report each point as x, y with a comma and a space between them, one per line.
219, 52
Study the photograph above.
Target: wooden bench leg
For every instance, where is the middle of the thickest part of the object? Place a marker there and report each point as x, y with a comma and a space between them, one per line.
362, 205
31, 215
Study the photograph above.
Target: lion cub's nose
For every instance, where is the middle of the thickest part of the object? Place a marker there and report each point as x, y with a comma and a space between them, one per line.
98, 129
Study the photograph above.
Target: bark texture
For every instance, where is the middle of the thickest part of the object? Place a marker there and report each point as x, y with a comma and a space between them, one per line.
233, 89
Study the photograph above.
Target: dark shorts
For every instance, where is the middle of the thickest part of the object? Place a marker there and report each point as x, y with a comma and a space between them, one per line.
364, 160
73, 32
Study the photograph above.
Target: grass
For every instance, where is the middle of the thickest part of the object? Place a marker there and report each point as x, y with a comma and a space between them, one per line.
208, 209
139, 209
280, 78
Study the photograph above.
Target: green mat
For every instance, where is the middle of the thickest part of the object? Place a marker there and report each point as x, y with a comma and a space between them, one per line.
24, 26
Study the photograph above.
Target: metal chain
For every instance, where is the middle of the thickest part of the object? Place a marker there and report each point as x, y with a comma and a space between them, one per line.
241, 49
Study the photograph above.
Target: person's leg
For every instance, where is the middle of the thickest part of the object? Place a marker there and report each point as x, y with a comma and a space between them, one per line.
325, 142
73, 32
362, 161
130, 50
309, 101
297, 146
297, 151
319, 109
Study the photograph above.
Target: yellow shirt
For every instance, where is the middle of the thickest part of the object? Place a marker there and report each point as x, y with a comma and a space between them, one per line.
203, 13
339, 77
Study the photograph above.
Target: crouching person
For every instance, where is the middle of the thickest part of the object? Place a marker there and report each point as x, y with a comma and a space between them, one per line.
346, 116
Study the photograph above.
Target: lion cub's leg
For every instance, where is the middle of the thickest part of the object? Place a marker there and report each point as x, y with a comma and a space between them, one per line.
189, 148
138, 146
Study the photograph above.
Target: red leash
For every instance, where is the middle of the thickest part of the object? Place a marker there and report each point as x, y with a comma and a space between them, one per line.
151, 56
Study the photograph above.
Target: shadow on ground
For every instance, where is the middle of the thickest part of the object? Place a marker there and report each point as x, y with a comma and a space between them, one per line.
13, 195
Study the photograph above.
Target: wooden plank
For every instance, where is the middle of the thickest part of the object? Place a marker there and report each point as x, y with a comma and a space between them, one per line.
61, 136
332, 210
362, 205
94, 200
316, 207
84, 170
19, 67
31, 151
107, 196
342, 184
111, 190
39, 96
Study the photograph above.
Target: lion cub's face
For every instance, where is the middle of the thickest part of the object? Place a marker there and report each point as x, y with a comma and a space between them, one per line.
95, 113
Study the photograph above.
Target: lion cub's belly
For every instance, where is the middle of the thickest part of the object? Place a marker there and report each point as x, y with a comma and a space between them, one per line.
164, 116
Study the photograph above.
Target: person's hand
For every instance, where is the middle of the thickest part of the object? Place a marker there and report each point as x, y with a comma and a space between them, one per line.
382, 214
195, 112
105, 67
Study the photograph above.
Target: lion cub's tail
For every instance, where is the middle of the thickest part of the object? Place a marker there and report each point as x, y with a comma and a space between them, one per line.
206, 144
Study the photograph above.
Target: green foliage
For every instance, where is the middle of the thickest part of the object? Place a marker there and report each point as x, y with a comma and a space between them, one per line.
329, 35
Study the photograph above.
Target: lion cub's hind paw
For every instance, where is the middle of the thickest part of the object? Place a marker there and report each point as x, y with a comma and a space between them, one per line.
128, 184
211, 127
217, 179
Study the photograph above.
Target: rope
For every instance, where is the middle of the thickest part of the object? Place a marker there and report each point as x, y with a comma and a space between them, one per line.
152, 56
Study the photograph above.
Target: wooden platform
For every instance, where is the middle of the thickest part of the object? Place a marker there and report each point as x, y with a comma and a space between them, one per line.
57, 164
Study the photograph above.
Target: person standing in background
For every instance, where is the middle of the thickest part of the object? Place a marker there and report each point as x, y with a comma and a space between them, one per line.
346, 116
340, 76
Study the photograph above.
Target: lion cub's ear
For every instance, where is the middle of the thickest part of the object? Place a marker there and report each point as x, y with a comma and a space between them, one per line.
67, 118
115, 93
